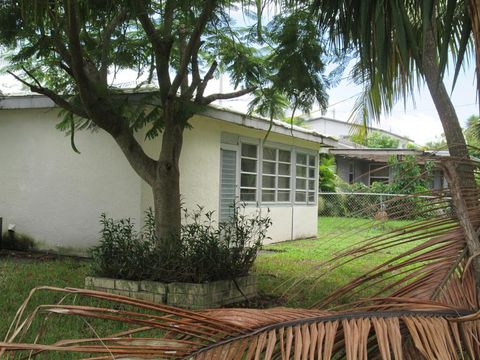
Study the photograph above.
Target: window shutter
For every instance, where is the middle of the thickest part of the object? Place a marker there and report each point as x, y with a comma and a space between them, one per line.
228, 175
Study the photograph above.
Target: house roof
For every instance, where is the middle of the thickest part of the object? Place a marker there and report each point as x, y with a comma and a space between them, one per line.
383, 155
34, 101
370, 128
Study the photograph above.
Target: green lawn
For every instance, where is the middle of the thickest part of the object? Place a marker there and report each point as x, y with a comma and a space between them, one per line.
277, 267
284, 264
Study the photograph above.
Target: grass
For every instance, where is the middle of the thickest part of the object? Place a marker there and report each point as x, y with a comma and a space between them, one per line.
284, 264
277, 267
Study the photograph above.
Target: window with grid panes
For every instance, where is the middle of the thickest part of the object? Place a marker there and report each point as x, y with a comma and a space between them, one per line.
276, 175
248, 172
306, 169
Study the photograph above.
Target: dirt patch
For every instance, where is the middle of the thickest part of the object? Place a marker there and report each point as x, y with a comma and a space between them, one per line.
34, 255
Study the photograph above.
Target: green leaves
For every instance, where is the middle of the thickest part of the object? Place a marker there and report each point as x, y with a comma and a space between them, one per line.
297, 62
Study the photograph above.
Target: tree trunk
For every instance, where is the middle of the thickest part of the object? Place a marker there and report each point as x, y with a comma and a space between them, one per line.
445, 109
458, 171
166, 187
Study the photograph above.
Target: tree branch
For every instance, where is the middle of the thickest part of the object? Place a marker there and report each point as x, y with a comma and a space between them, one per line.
73, 34
161, 48
107, 40
99, 108
196, 79
206, 79
222, 96
57, 99
194, 39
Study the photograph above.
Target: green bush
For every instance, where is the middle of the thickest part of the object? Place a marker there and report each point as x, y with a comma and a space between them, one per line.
206, 251
122, 253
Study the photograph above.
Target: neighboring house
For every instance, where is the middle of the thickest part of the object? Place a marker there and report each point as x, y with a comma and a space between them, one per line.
56, 195
342, 130
357, 163
371, 165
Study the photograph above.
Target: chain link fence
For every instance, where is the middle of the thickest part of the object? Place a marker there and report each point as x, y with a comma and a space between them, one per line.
382, 206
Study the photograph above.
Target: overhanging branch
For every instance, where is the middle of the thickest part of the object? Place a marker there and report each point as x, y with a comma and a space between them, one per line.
206, 79
57, 99
223, 96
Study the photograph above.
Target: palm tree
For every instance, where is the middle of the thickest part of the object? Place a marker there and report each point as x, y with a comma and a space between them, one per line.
399, 43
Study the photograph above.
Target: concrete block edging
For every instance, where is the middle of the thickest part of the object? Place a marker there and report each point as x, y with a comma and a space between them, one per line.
188, 295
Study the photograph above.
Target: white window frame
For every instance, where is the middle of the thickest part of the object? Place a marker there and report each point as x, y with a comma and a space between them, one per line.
307, 191
257, 170
276, 189
293, 173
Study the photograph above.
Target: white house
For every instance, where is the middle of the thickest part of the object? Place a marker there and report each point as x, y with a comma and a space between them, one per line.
56, 196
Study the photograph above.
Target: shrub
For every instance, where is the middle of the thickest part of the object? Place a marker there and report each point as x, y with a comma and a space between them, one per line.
122, 252
206, 251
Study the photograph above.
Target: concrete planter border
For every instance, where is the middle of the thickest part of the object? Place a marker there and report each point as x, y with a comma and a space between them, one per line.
193, 296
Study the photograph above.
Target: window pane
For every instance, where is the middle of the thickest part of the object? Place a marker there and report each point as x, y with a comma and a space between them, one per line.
301, 184
302, 159
268, 182
284, 156
269, 167
248, 180
269, 154
284, 169
249, 165
300, 196
301, 171
311, 160
311, 184
311, 172
248, 194
283, 195
268, 195
311, 197
283, 183
249, 150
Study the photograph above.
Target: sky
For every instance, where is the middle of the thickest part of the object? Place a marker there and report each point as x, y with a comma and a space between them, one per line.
417, 120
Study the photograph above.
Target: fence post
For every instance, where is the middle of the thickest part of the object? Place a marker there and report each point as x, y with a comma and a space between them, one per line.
1, 232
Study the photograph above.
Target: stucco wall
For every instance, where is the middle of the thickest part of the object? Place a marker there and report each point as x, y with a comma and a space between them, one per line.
54, 194
200, 176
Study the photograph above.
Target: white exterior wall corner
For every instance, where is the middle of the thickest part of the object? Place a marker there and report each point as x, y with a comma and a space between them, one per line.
200, 175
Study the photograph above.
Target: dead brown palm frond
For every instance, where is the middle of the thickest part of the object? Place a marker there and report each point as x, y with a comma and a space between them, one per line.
280, 333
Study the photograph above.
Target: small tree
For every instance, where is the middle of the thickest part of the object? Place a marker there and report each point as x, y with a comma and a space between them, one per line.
327, 176
69, 50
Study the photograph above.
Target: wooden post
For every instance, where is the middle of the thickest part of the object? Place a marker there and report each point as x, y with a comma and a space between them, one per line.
463, 213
